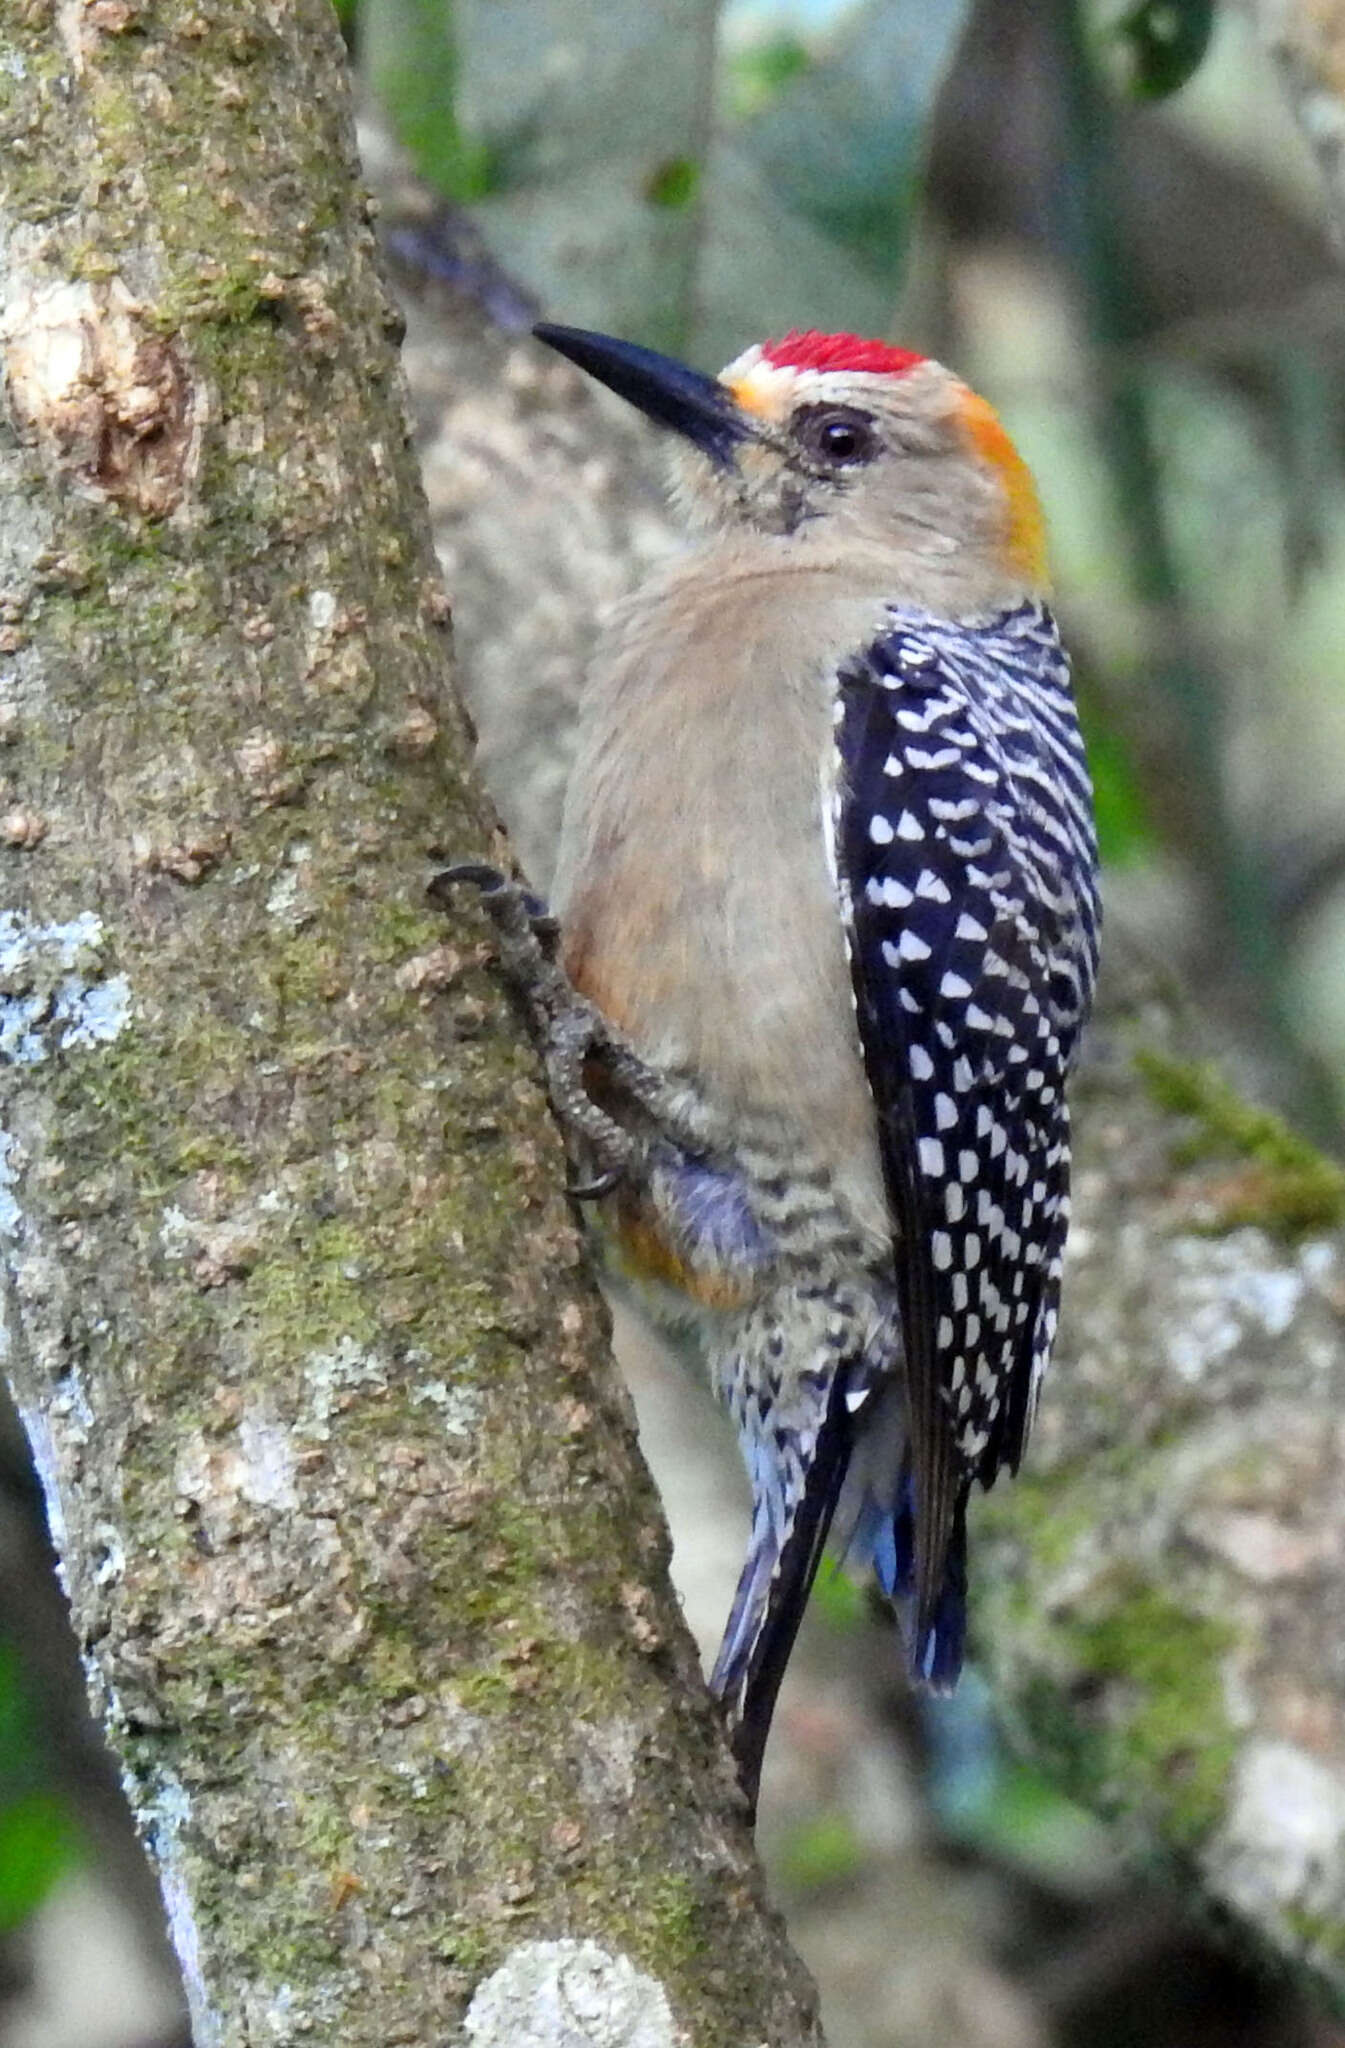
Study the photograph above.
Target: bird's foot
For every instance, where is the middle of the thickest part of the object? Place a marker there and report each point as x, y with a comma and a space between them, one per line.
571, 1033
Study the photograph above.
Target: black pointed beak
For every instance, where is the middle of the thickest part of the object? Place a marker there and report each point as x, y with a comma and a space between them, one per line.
665, 390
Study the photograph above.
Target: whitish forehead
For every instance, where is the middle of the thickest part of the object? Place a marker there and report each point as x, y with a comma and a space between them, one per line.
771, 390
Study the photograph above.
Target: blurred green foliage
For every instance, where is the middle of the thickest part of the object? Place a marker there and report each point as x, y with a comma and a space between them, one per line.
1124, 828
1024, 1818
37, 1832
819, 1850
410, 52
1007, 1810
36, 1845
839, 1598
1164, 41
755, 74
675, 183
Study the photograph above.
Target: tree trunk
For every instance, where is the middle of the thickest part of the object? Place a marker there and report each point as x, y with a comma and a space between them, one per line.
369, 1575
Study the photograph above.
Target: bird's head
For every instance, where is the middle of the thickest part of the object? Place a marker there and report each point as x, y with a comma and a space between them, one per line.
828, 437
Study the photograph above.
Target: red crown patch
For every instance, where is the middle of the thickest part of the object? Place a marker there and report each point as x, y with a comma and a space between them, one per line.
814, 351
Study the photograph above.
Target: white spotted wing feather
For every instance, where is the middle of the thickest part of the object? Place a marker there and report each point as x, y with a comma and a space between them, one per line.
967, 871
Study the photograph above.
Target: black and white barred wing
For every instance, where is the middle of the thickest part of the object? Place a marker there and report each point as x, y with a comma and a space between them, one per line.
967, 866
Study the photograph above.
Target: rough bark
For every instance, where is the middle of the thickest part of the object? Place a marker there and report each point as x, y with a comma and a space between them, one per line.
1162, 1591
1161, 1594
366, 1568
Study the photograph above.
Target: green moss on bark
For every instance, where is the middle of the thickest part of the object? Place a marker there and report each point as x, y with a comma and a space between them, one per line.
1286, 1186
1119, 1680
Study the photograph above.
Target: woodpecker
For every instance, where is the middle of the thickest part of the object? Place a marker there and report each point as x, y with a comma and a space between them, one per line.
822, 939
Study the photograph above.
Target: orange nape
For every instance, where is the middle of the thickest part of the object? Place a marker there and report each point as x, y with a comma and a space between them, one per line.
1025, 535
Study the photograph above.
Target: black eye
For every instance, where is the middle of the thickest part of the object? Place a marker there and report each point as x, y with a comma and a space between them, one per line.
839, 436
841, 441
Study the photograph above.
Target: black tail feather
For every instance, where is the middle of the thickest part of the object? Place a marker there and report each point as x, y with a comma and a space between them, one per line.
750, 1702
939, 1636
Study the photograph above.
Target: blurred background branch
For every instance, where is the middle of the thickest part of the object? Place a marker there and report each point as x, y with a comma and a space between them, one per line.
1306, 40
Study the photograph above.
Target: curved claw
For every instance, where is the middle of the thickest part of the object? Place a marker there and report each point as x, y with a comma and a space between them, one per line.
478, 872
594, 1190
